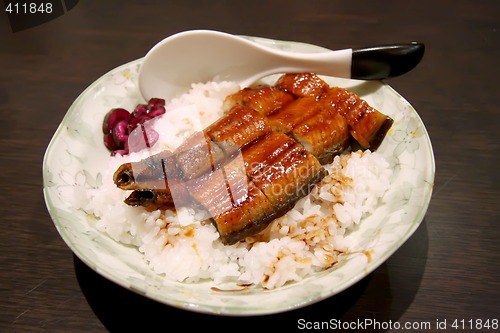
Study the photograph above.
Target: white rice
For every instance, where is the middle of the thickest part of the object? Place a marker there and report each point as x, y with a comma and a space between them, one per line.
179, 246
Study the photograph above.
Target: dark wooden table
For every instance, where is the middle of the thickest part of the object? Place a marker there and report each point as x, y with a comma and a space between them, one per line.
448, 270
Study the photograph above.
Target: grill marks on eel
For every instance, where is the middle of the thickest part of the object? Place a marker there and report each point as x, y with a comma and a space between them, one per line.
264, 154
254, 176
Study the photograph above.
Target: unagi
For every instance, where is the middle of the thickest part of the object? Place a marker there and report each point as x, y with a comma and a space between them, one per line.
265, 153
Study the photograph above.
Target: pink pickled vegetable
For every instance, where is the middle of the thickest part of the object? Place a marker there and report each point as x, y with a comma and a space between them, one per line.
126, 132
157, 111
120, 132
114, 116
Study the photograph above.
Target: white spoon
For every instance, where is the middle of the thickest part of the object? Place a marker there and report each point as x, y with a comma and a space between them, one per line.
177, 61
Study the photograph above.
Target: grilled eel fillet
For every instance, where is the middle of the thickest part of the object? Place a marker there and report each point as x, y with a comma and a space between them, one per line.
264, 154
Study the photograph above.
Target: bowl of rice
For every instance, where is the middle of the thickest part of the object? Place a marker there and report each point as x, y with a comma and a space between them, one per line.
348, 225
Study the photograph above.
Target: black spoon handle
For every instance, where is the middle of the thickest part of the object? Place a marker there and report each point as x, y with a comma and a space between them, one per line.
386, 61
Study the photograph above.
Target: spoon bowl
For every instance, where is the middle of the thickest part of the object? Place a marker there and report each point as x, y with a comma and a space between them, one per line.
179, 60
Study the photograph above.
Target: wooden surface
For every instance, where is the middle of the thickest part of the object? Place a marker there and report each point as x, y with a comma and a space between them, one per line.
449, 269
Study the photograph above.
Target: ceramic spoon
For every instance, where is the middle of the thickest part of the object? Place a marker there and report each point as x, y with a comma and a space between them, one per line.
176, 62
